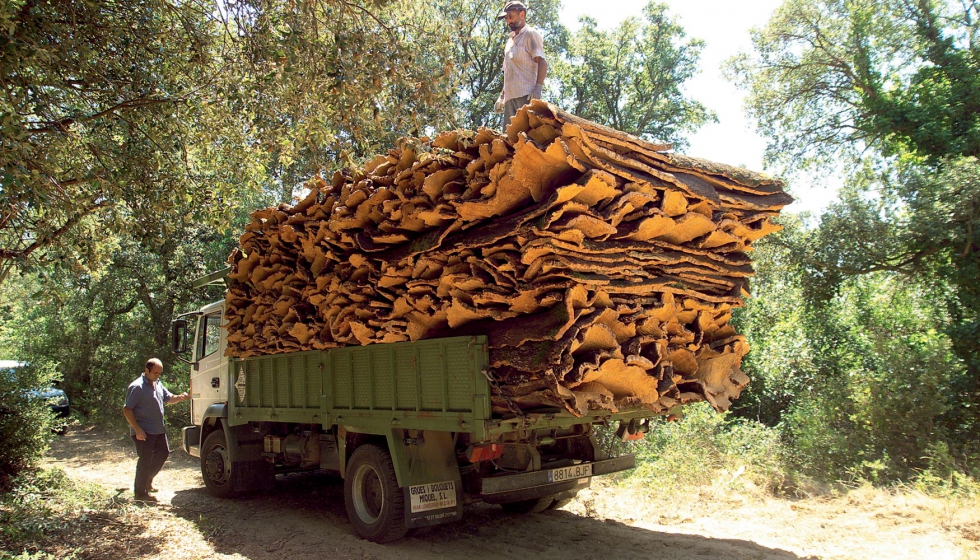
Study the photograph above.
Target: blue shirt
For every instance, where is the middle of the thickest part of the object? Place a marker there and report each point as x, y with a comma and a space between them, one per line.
146, 400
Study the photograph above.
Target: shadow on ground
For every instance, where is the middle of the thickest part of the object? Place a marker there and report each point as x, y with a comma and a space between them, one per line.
305, 518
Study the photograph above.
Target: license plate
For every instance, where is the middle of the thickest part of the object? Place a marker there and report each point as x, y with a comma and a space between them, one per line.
570, 473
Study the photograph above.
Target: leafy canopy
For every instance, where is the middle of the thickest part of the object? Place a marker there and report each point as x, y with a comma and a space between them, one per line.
630, 78
832, 77
113, 112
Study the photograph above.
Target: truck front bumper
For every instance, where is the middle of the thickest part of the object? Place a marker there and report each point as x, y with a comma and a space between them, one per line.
526, 486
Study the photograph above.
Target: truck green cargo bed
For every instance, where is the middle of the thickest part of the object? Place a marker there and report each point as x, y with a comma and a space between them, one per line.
438, 384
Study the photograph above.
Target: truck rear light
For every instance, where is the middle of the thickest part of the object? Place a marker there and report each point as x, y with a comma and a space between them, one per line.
633, 430
485, 452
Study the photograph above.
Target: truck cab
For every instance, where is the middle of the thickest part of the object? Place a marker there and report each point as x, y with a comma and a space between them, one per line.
203, 338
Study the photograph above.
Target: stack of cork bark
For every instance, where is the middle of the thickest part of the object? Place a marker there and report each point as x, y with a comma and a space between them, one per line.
603, 270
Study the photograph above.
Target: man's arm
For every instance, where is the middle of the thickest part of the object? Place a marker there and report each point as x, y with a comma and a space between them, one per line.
536, 50
542, 69
542, 74
174, 399
131, 418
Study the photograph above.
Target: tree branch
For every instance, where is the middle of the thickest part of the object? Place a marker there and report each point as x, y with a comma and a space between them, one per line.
40, 242
64, 125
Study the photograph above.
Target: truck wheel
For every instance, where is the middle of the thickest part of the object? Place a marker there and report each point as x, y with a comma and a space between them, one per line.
375, 503
536, 505
216, 465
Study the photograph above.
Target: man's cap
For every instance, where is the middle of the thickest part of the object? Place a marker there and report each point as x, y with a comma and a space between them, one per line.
510, 7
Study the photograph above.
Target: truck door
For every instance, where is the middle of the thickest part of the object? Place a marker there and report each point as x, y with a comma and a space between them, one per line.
209, 382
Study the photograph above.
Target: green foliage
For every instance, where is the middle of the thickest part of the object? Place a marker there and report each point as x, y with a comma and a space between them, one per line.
115, 113
943, 230
26, 421
944, 477
706, 448
913, 234
40, 505
102, 104
327, 82
631, 78
882, 294
858, 382
834, 76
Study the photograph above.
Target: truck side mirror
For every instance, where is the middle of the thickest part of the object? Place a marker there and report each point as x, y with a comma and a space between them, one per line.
179, 336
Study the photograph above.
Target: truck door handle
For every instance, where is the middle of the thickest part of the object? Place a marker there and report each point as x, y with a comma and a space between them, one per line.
215, 382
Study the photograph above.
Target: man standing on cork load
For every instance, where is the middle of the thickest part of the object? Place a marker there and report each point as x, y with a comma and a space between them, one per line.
145, 398
525, 67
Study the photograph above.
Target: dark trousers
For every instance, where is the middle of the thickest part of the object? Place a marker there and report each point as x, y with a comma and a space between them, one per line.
511, 106
152, 455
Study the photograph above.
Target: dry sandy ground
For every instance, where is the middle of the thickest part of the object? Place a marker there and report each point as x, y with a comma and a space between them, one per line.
305, 518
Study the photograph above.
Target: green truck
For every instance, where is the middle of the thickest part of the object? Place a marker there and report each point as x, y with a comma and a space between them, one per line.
408, 425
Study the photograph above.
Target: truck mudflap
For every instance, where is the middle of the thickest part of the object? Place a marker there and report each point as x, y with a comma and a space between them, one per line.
433, 503
537, 484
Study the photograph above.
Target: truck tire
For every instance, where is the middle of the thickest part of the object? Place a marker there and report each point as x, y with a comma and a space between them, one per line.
536, 505
375, 503
216, 465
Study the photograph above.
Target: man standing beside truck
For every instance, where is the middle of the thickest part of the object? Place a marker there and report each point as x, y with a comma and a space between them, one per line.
525, 67
145, 399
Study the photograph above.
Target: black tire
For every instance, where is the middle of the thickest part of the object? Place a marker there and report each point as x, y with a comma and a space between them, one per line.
375, 503
216, 465
536, 505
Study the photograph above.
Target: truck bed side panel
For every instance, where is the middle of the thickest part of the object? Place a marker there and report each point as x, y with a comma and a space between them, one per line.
428, 384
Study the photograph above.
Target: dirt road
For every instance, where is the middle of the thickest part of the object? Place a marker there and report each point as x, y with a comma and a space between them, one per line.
305, 518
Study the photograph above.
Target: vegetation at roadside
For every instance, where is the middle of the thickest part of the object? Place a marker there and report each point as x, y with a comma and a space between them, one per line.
46, 515
26, 422
866, 320
705, 449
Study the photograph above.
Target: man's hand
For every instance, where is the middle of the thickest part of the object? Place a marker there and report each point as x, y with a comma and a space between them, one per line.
140, 434
536, 92
498, 105
179, 398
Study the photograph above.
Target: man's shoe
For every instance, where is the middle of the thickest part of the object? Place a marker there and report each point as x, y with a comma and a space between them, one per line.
144, 498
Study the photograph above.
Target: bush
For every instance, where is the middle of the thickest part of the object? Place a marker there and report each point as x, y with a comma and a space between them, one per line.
42, 504
705, 448
26, 422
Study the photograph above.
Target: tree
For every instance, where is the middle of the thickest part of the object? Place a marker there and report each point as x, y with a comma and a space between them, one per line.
862, 380
112, 112
100, 328
832, 77
631, 78
100, 106
893, 89
327, 82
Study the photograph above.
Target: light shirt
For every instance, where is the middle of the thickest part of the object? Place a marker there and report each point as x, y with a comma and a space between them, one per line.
146, 400
520, 69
